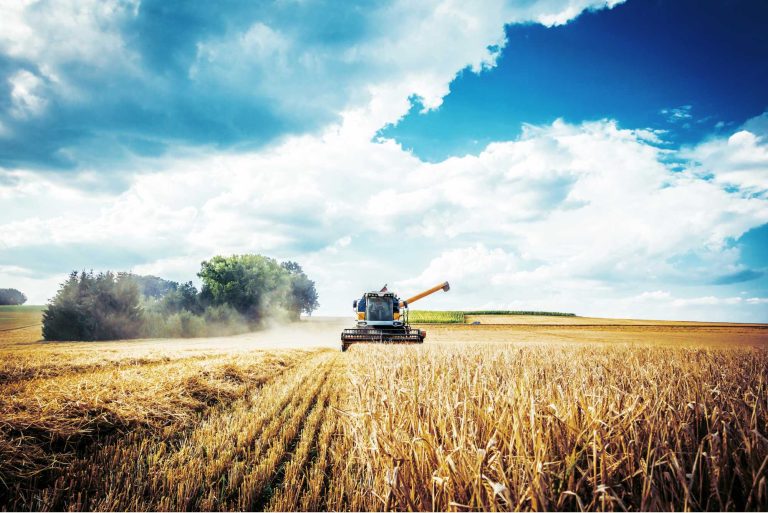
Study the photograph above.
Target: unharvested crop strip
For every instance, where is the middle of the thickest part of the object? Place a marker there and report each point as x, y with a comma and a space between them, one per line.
567, 426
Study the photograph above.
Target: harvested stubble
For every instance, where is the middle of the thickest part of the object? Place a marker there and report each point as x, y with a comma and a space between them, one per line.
47, 424
15, 367
264, 447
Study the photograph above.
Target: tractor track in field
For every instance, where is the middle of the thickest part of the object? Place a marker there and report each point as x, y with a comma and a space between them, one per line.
275, 483
302, 465
267, 472
21, 327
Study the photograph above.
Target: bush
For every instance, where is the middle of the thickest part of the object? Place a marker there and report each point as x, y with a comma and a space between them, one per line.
12, 297
185, 325
214, 321
238, 293
224, 320
152, 286
94, 307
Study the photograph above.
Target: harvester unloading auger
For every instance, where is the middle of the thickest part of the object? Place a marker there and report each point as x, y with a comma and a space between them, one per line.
382, 318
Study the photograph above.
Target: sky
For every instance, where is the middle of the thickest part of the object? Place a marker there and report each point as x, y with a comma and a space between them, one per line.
605, 158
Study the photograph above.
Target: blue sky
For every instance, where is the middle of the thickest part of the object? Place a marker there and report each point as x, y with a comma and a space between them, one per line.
603, 157
693, 68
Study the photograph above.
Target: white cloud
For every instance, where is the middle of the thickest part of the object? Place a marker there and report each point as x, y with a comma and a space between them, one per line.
707, 300
666, 305
563, 218
26, 94
50, 33
740, 161
471, 265
678, 114
656, 295
157, 78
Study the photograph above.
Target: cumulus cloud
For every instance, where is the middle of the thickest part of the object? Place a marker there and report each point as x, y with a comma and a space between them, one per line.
665, 298
51, 34
593, 198
663, 304
132, 78
655, 295
562, 218
739, 161
471, 266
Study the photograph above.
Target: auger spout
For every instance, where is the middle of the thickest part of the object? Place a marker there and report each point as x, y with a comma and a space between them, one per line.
443, 286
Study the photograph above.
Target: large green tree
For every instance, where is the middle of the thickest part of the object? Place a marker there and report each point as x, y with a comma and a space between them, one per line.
257, 286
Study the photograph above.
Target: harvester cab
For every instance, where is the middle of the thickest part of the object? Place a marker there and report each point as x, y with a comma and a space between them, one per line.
382, 318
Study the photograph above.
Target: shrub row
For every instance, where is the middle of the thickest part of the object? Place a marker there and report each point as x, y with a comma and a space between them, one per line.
238, 293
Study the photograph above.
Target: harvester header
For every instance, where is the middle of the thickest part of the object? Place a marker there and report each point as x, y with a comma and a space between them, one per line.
382, 318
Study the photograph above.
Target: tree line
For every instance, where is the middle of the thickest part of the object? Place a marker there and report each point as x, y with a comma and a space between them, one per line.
12, 297
238, 293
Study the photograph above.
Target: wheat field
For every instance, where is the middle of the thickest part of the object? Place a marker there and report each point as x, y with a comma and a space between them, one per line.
477, 418
435, 317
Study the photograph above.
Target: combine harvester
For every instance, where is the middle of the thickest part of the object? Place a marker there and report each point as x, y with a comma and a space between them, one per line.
382, 318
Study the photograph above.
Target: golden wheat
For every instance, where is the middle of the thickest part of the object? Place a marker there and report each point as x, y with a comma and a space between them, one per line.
570, 426
647, 420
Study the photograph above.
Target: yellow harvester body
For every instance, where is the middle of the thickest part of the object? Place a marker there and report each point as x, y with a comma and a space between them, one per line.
382, 318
